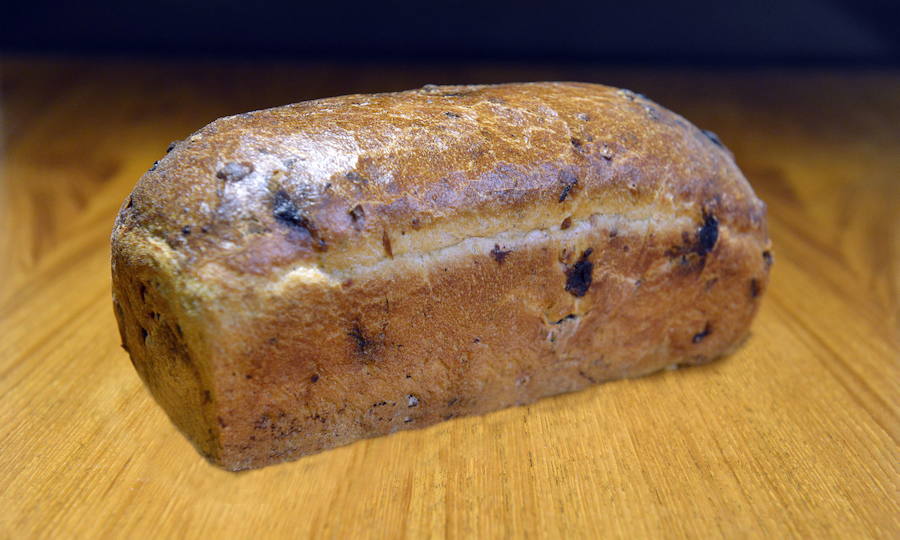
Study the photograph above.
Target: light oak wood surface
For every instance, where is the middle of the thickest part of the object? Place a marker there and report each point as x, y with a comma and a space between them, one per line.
795, 435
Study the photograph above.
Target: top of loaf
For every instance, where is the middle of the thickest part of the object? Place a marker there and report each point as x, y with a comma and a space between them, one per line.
351, 181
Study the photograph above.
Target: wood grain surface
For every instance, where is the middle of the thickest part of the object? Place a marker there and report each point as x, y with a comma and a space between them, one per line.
795, 435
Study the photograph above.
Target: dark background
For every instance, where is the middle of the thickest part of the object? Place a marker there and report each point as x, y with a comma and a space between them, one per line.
690, 32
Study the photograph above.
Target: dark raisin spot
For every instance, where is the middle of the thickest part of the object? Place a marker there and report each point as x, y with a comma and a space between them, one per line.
221, 421
287, 213
476, 340
713, 137
153, 167
386, 242
364, 346
498, 254
566, 223
412, 401
691, 254
707, 235
576, 143
357, 216
408, 376
233, 172
754, 288
613, 233
186, 230
204, 229
248, 376
359, 339
314, 378
207, 397
767, 258
415, 224
580, 275
452, 115
707, 330
568, 317
171, 146
569, 181
144, 334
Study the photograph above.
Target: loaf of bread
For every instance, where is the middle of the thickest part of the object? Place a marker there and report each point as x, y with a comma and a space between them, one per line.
298, 278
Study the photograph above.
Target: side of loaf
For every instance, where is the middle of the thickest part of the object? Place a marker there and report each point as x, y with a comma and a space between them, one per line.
298, 278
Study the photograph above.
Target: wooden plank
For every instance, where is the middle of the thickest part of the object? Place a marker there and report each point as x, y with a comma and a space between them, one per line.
793, 435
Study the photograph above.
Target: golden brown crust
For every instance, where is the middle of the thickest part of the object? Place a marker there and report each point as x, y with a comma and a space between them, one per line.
351, 266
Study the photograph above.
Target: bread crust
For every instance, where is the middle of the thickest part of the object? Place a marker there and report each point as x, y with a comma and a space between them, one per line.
298, 278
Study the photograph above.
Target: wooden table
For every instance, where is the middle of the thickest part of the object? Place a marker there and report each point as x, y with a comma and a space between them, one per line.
794, 435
